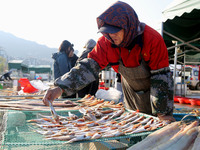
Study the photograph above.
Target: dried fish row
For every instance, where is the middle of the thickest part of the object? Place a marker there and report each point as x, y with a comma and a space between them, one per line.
109, 123
176, 135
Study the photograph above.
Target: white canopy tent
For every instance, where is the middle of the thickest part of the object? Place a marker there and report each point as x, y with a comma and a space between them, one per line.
178, 7
181, 26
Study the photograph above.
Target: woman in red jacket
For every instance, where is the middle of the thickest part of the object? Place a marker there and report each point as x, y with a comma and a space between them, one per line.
134, 50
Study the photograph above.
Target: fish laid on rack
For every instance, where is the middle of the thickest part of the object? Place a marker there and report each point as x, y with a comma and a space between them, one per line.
196, 145
177, 137
87, 97
69, 103
110, 123
174, 136
97, 135
91, 101
79, 138
118, 113
61, 138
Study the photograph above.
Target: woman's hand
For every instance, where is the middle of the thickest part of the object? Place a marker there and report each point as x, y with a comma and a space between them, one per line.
51, 94
166, 117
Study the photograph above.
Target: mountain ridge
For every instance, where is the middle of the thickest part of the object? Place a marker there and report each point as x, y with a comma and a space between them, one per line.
18, 48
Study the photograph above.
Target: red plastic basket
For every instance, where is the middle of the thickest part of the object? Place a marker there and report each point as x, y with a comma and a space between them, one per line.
176, 99
194, 101
184, 100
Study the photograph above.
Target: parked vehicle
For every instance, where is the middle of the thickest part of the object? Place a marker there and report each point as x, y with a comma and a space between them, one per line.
192, 78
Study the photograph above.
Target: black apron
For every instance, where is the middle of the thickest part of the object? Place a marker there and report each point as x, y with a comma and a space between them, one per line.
136, 87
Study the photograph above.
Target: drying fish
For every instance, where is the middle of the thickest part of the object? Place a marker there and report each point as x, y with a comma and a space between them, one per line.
151, 121
178, 136
87, 103
96, 102
146, 120
129, 120
92, 124
91, 115
87, 118
107, 111
69, 103
86, 99
78, 138
46, 126
88, 114
196, 145
117, 113
54, 114
113, 134
125, 125
96, 135
72, 116
151, 140
83, 111
138, 119
108, 129
103, 119
61, 132
185, 140
51, 118
141, 129
98, 114
130, 115
122, 116
132, 128
48, 132
41, 120
95, 122
44, 132
62, 138
111, 123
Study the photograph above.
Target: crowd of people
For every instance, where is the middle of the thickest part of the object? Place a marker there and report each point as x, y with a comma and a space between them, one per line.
133, 49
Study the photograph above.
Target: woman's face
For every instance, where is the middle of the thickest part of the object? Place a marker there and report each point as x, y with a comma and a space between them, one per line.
117, 37
71, 52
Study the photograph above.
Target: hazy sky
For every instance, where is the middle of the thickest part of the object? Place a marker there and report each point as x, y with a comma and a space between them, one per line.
49, 22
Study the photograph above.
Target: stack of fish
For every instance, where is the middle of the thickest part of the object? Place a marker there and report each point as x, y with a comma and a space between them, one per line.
94, 123
91, 101
175, 136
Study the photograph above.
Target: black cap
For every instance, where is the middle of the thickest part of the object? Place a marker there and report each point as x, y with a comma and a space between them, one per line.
109, 29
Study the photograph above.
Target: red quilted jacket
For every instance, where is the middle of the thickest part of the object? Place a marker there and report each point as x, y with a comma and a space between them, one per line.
154, 52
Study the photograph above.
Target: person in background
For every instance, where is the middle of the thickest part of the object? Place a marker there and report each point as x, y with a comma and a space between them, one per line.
92, 87
6, 76
137, 52
64, 60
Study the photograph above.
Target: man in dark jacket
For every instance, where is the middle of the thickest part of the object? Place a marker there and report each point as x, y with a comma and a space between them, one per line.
6, 76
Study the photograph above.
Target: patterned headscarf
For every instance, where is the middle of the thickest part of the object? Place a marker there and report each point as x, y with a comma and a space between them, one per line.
121, 15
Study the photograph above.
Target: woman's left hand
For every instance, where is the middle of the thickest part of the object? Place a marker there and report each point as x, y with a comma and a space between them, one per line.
51, 94
166, 117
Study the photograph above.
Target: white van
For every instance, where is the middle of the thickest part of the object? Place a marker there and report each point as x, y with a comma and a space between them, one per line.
193, 79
